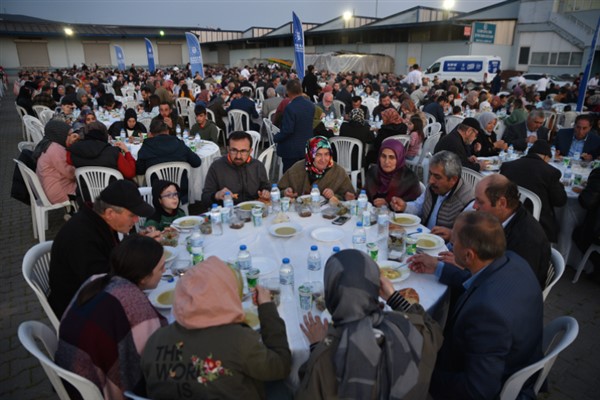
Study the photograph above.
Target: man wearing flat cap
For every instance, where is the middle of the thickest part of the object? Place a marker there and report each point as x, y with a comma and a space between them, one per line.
83, 245
68, 104
459, 142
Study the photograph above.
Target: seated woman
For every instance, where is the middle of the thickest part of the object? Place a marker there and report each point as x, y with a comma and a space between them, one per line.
391, 125
486, 145
165, 199
56, 176
417, 137
390, 177
104, 330
317, 168
357, 128
130, 124
367, 353
209, 352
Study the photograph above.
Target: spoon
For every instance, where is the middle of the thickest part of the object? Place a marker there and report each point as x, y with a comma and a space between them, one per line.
419, 230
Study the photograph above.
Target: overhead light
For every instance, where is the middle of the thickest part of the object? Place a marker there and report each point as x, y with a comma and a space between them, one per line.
161, 33
69, 31
448, 4
347, 15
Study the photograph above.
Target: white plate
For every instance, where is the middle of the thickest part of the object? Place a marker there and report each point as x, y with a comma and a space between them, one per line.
404, 271
172, 253
327, 234
189, 222
439, 242
156, 293
300, 199
291, 226
265, 264
415, 221
250, 203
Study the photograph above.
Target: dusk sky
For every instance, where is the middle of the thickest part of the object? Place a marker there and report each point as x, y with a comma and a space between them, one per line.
224, 14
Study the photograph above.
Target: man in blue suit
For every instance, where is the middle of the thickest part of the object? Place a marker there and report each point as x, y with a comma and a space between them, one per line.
579, 139
496, 326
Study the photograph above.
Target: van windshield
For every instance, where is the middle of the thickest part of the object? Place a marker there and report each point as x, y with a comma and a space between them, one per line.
493, 66
434, 68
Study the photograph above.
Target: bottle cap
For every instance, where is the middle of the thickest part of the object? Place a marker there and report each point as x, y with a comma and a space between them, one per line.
359, 224
336, 249
314, 248
226, 194
243, 247
286, 260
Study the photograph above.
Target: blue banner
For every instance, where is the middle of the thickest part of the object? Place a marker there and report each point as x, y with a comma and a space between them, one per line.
195, 54
120, 58
150, 54
588, 70
298, 45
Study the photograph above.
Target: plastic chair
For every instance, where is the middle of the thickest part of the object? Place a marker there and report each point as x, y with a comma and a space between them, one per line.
344, 148
558, 335
404, 139
266, 157
432, 129
146, 193
430, 118
238, 120
255, 142
370, 103
340, 107
22, 112
29, 332
25, 145
130, 104
146, 122
526, 194
260, 94
95, 180
470, 176
36, 266
422, 161
39, 108
555, 271
210, 115
45, 116
586, 256
34, 129
550, 119
452, 121
271, 129
173, 172
40, 205
183, 104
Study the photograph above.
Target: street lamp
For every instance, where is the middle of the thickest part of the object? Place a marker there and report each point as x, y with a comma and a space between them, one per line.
68, 32
346, 16
448, 5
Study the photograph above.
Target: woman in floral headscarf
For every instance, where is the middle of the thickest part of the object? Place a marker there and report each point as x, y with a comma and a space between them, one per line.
317, 168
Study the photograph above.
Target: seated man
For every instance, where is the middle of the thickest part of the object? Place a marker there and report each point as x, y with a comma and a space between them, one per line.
245, 103
385, 102
207, 129
271, 103
236, 172
519, 135
446, 195
533, 172
83, 245
437, 108
169, 117
579, 139
459, 142
357, 104
327, 106
495, 328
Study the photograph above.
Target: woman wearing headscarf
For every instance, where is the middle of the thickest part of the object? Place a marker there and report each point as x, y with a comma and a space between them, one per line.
486, 145
130, 124
56, 175
24, 100
392, 125
356, 127
367, 353
317, 168
210, 352
390, 177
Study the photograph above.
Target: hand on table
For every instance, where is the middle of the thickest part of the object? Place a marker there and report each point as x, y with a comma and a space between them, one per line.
314, 329
289, 192
151, 232
501, 145
398, 204
586, 157
442, 232
264, 194
349, 196
261, 295
328, 193
423, 263
379, 202
386, 288
220, 195
447, 257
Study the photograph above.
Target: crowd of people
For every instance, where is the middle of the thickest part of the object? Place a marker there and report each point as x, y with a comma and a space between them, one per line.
495, 267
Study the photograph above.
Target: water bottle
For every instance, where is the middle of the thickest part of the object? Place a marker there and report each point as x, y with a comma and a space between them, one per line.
553, 151
286, 274
359, 237
371, 120
576, 156
122, 135
511, 152
362, 200
383, 223
216, 222
197, 140
568, 176
315, 198
244, 259
314, 259
335, 249
94, 103
197, 246
227, 207
331, 116
528, 147
502, 155
186, 134
275, 198
178, 131
366, 217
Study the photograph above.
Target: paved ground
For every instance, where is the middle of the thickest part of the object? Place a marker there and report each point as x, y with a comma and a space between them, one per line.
576, 374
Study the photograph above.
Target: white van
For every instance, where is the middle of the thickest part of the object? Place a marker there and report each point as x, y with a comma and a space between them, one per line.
465, 68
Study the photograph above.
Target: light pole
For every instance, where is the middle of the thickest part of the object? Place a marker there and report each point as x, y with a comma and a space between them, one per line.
68, 33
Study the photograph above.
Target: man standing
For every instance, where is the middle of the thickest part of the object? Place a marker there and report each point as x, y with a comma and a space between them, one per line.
83, 245
165, 92
459, 142
533, 172
296, 127
309, 83
579, 139
496, 326
523, 133
236, 172
414, 77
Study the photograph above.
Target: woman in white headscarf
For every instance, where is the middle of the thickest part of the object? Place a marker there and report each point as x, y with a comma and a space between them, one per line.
486, 138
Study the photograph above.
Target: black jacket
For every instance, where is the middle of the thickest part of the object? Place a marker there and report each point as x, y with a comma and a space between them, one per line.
453, 142
94, 153
164, 148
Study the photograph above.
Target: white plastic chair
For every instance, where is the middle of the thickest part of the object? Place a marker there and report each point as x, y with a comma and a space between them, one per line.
146, 122
266, 157
370, 103
29, 332
238, 121
340, 107
271, 129
130, 104
586, 256
25, 145
558, 335
432, 129
526, 194
34, 129
95, 179
473, 177
549, 119
36, 266
183, 104
422, 160
45, 116
173, 172
146, 193
40, 205
39, 108
130, 395
344, 148
452, 122
210, 115
255, 142
555, 271
22, 112
404, 139
260, 94
430, 118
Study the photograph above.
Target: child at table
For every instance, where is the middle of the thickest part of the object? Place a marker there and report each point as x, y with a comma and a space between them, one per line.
165, 199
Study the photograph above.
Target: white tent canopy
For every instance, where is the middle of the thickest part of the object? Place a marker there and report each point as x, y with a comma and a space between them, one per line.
346, 62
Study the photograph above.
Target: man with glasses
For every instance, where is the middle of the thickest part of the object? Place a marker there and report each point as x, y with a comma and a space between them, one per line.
459, 142
521, 134
327, 105
236, 172
579, 140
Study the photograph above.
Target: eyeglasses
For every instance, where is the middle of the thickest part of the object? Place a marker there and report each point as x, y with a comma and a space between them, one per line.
235, 152
169, 195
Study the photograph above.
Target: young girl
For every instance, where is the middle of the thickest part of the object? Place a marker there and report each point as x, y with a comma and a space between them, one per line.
165, 199
417, 136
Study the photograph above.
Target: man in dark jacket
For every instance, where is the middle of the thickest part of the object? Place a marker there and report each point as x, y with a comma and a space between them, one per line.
83, 245
459, 142
309, 83
245, 103
519, 135
436, 108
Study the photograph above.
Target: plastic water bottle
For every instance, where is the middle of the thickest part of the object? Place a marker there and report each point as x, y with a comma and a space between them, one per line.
197, 246
197, 140
366, 217
502, 155
553, 151
568, 176
359, 237
362, 200
244, 259
216, 222
178, 131
227, 207
335, 249
314, 259
186, 134
94, 103
383, 223
576, 156
511, 151
315, 198
122, 135
371, 120
528, 147
275, 198
331, 116
286, 274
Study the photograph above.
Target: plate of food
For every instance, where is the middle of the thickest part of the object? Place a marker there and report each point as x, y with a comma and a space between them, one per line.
251, 319
305, 199
170, 253
249, 205
405, 220
327, 234
427, 241
493, 163
394, 271
285, 229
162, 296
188, 222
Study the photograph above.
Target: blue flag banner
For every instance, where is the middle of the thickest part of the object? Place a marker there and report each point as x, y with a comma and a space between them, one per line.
195, 54
150, 54
588, 70
298, 45
120, 58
